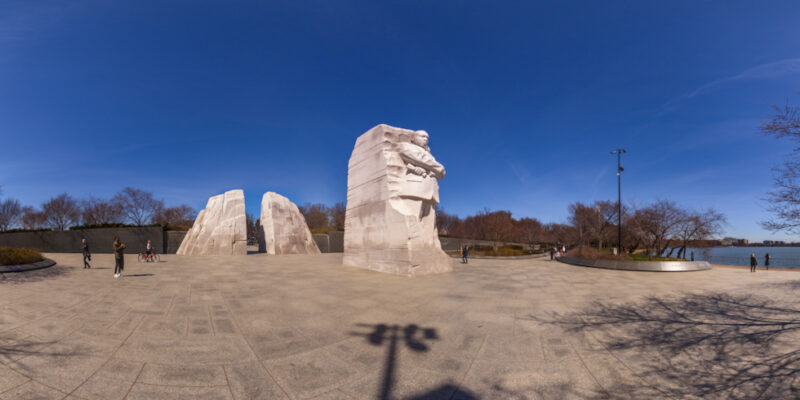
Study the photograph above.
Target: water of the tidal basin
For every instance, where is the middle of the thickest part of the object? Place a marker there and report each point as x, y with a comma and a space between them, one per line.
784, 257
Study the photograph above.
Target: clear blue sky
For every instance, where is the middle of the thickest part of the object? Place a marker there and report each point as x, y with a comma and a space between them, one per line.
523, 100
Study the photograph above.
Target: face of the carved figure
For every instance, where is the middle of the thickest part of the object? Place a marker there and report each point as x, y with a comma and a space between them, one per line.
420, 138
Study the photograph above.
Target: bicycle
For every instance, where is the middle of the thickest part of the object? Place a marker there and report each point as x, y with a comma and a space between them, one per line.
143, 257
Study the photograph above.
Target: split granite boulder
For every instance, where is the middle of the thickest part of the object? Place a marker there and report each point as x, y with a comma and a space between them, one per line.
219, 229
283, 228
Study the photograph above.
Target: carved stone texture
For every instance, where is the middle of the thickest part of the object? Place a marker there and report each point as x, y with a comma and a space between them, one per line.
220, 229
283, 228
392, 192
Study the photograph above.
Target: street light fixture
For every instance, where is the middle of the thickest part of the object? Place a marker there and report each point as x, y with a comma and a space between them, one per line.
619, 152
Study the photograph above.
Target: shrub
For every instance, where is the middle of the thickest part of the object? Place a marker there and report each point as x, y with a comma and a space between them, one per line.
324, 230
504, 251
17, 256
110, 225
592, 253
27, 230
646, 257
177, 228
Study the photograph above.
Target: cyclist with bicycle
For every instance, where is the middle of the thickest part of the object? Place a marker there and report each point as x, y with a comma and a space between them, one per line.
149, 251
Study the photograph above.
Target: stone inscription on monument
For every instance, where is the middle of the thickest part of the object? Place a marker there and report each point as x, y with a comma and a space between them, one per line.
392, 192
220, 229
283, 228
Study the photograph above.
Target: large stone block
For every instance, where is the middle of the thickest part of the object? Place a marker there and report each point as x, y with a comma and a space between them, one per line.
220, 229
392, 192
283, 228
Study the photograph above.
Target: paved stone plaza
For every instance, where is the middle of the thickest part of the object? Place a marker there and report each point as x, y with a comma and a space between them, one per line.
304, 327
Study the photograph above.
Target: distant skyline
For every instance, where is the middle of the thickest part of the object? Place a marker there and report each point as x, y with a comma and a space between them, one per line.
523, 101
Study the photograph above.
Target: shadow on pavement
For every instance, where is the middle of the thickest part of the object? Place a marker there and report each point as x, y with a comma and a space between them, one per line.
35, 275
732, 346
415, 338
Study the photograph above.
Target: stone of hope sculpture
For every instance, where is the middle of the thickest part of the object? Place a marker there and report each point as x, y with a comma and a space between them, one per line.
392, 192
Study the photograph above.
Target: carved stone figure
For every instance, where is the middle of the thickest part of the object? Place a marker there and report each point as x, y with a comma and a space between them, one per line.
283, 228
219, 229
392, 192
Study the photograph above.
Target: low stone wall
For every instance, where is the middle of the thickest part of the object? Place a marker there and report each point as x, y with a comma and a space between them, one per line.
652, 266
331, 242
172, 240
100, 240
46, 263
454, 244
323, 242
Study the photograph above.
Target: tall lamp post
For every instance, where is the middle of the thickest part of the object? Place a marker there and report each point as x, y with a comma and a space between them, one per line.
619, 152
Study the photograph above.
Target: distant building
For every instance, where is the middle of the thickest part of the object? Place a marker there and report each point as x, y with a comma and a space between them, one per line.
729, 241
774, 242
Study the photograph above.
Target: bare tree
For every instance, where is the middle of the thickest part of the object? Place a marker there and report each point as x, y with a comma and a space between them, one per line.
447, 224
497, 226
785, 199
182, 215
530, 231
337, 215
33, 218
658, 223
698, 226
138, 206
581, 217
252, 227
10, 213
61, 212
96, 211
316, 215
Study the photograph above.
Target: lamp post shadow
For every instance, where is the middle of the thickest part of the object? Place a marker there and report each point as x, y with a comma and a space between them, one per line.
414, 338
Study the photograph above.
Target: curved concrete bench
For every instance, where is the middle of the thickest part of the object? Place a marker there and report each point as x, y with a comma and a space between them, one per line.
46, 263
653, 266
525, 257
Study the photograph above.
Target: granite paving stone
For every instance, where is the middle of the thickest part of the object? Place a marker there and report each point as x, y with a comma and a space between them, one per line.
306, 327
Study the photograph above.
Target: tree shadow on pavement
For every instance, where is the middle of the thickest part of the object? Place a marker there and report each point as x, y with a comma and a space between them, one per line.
37, 275
719, 345
12, 350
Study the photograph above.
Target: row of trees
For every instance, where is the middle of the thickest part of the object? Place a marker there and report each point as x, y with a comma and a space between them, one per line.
656, 227
129, 206
320, 216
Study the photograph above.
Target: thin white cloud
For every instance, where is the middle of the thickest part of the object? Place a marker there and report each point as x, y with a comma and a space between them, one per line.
777, 69
764, 71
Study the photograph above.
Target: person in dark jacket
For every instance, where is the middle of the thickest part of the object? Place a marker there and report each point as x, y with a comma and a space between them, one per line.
552, 253
87, 256
119, 257
766, 261
465, 254
753, 262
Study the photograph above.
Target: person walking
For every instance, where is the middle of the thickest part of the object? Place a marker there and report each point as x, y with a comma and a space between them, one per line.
465, 254
87, 256
552, 253
753, 262
766, 261
119, 257
692, 256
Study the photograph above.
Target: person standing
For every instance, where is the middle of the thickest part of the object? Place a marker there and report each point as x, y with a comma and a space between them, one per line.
119, 257
692, 256
552, 253
753, 262
87, 256
766, 261
465, 254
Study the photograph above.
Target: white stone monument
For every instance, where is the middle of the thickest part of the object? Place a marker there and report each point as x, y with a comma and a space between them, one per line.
283, 228
220, 229
392, 192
